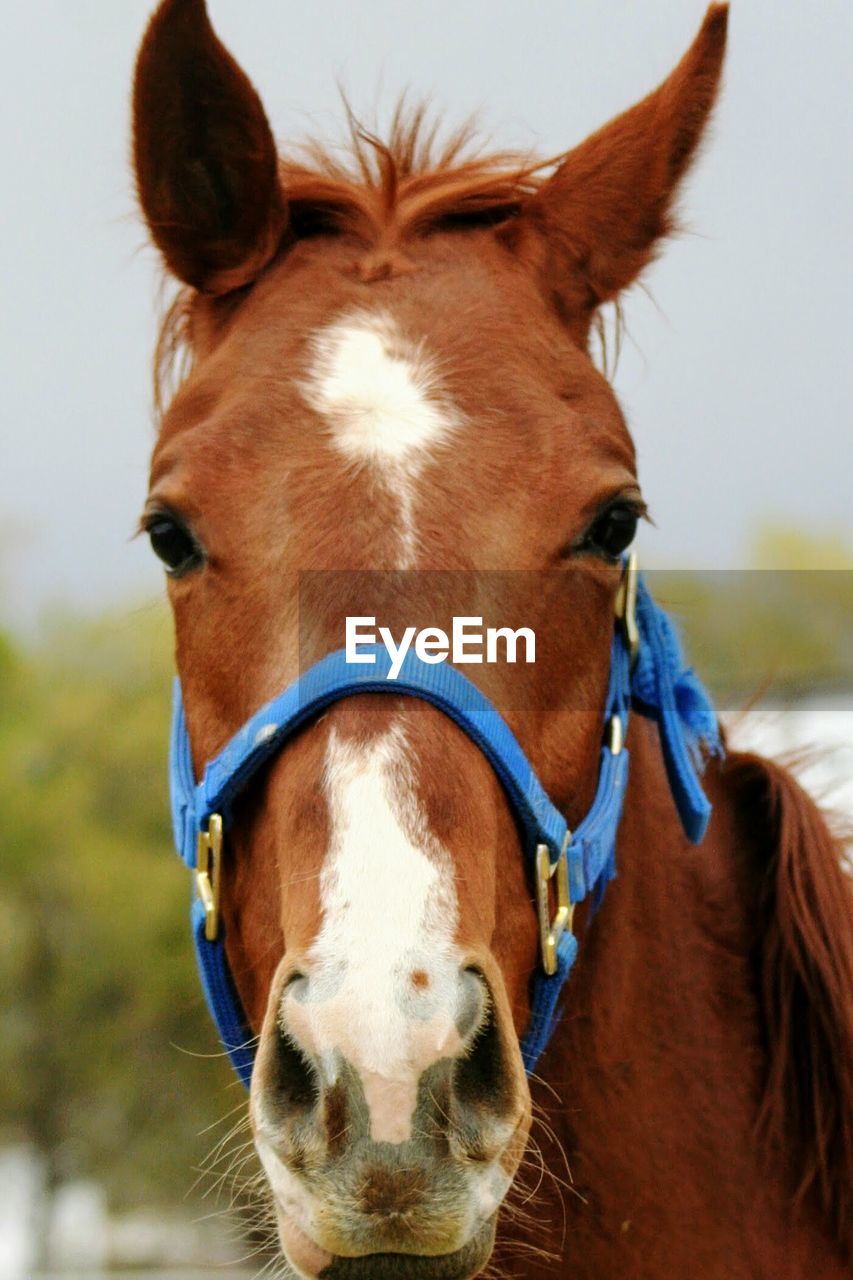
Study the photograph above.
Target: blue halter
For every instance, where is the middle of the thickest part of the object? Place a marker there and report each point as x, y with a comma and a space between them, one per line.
646, 672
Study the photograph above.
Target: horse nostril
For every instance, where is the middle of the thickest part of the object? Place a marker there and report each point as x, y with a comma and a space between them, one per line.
292, 1087
482, 1091
473, 1004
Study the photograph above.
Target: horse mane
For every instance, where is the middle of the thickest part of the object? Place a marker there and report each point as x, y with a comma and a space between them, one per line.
380, 192
413, 182
805, 930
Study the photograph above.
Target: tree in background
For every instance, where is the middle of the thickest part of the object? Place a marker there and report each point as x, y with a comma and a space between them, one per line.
780, 628
778, 546
96, 951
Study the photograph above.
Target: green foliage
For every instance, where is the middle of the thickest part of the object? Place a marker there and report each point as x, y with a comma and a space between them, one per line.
777, 546
780, 628
96, 950
757, 632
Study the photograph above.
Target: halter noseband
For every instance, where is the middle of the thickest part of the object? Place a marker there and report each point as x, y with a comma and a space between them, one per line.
646, 673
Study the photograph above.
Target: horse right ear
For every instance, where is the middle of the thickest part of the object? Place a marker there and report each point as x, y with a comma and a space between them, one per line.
595, 225
206, 163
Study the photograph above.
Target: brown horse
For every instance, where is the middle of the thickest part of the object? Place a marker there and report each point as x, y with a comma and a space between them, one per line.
388, 368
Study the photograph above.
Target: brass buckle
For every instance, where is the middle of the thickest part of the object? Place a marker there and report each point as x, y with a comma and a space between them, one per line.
551, 928
626, 606
208, 873
615, 735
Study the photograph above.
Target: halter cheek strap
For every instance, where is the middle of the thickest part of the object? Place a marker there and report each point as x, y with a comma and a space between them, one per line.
567, 866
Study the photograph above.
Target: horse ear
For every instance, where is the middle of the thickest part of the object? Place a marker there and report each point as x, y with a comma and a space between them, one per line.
593, 227
205, 159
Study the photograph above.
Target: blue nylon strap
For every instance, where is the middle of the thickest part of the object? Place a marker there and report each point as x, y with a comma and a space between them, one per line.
543, 1003
595, 838
333, 678
659, 686
185, 825
672, 694
594, 841
221, 995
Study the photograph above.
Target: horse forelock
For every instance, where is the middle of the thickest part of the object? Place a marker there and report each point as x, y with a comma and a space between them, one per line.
383, 193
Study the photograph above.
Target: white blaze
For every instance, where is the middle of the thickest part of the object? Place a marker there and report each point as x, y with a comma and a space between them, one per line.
384, 406
384, 989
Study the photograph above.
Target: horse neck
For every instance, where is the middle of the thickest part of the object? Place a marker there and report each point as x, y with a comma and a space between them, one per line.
664, 973
659, 1060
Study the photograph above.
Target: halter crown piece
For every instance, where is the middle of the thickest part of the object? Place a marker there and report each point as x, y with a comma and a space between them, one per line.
647, 673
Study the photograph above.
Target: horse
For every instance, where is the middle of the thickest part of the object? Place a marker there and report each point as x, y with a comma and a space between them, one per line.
377, 370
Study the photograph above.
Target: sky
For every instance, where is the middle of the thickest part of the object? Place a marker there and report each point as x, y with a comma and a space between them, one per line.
736, 373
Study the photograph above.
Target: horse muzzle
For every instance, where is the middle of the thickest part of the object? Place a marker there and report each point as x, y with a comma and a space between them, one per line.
398, 1174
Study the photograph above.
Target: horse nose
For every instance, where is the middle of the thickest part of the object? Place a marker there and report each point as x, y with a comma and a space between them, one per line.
430, 1068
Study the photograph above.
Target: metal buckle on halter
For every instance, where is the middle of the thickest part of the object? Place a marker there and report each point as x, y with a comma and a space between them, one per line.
626, 606
615, 735
208, 873
551, 928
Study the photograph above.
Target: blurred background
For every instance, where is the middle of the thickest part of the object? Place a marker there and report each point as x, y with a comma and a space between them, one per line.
116, 1113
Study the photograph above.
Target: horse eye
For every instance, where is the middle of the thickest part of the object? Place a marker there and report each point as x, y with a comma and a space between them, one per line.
613, 531
174, 545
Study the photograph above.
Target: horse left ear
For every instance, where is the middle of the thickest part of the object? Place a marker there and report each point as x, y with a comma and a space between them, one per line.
206, 162
593, 227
